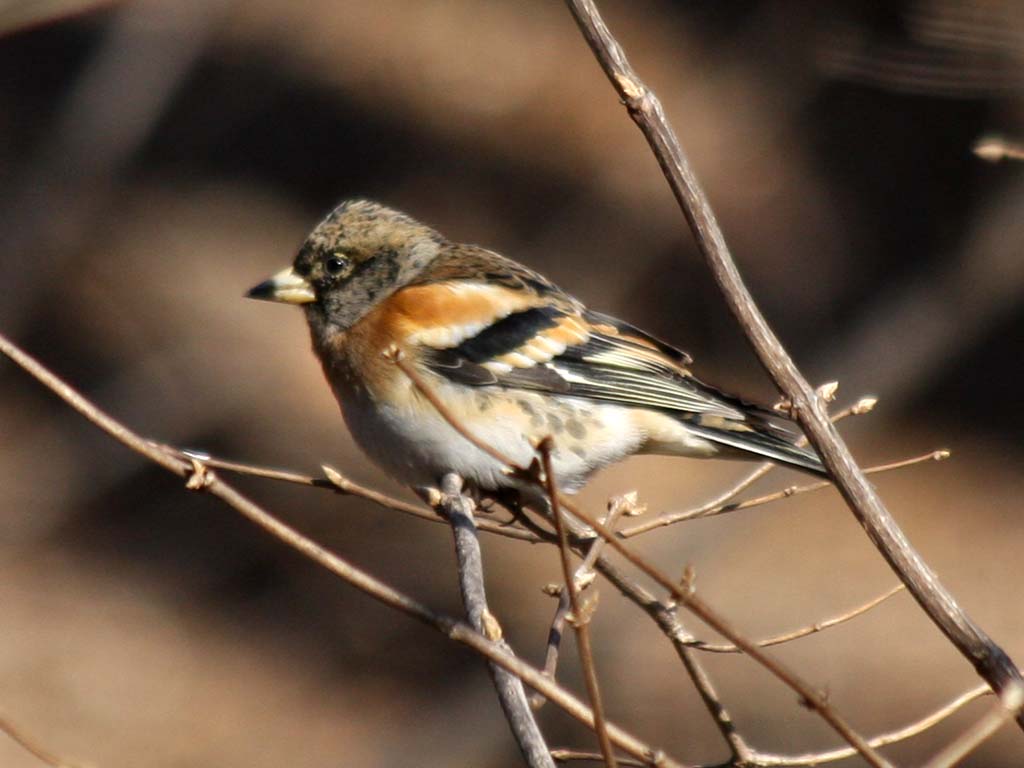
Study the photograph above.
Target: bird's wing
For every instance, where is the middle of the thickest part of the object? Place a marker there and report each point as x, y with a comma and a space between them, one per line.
500, 325
578, 353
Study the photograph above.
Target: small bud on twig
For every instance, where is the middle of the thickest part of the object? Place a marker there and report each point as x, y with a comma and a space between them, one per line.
864, 405
552, 590
995, 149
828, 390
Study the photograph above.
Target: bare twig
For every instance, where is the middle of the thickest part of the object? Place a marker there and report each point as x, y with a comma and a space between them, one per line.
990, 661
566, 755
1005, 710
458, 509
664, 616
687, 596
333, 480
200, 477
811, 629
892, 737
581, 612
772, 760
582, 577
671, 518
32, 746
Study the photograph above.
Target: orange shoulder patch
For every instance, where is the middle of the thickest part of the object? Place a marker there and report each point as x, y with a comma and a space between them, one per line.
443, 315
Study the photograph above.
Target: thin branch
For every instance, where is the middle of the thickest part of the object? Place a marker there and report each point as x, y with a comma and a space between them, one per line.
664, 616
770, 760
990, 661
1005, 710
670, 518
582, 577
333, 480
344, 485
687, 596
30, 745
892, 737
199, 477
581, 613
684, 593
458, 509
811, 629
567, 755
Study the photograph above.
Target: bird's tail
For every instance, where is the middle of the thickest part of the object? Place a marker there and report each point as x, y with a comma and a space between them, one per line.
763, 440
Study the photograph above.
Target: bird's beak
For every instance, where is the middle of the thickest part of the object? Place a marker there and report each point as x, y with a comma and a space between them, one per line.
286, 286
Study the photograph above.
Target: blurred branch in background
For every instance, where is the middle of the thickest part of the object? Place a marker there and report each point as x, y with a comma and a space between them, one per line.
942, 313
953, 49
19, 15
119, 96
31, 746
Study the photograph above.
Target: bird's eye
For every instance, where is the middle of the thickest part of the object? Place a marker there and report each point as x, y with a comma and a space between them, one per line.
335, 264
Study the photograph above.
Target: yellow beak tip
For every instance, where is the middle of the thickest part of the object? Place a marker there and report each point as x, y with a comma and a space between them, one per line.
286, 286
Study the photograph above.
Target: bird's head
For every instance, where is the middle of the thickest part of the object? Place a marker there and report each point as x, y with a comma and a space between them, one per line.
361, 253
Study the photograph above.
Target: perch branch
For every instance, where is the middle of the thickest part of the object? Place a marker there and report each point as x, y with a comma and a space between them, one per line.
458, 509
333, 480
990, 661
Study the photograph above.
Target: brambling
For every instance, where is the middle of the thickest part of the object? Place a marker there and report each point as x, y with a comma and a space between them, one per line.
513, 357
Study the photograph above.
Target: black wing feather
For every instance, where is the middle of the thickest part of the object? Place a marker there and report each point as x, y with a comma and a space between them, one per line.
508, 334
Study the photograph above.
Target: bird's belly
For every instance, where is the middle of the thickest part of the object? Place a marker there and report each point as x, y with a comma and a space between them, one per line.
415, 444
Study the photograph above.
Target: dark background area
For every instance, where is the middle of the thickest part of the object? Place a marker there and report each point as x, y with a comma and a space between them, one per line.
157, 159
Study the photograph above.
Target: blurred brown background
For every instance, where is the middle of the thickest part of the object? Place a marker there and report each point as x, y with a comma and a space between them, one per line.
158, 158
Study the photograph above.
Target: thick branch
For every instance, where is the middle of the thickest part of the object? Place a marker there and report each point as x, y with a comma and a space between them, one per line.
991, 662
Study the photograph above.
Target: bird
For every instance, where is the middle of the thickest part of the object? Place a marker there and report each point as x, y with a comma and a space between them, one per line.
513, 358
